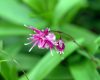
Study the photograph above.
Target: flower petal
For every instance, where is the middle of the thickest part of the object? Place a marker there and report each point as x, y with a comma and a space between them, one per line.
46, 31
33, 46
41, 43
51, 37
61, 46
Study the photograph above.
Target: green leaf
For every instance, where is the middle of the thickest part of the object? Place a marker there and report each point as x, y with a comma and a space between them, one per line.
44, 8
13, 49
94, 47
84, 71
51, 4
1, 44
60, 73
98, 41
48, 63
7, 71
41, 6
85, 54
64, 6
79, 32
7, 67
30, 60
9, 29
73, 12
16, 12
36, 5
9, 63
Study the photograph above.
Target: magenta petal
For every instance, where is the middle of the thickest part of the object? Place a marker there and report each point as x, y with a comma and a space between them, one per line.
33, 46
51, 37
43, 39
41, 43
35, 29
48, 43
60, 46
46, 31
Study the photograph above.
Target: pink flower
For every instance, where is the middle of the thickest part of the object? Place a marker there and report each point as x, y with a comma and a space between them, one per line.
43, 39
60, 46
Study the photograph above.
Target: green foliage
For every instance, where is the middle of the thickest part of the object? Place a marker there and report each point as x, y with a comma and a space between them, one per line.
48, 60
63, 9
84, 70
78, 18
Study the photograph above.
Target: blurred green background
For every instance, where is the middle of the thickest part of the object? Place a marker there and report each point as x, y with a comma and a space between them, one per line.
78, 18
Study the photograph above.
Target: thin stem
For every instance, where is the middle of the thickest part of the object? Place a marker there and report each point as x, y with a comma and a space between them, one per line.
59, 32
21, 68
69, 37
15, 61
